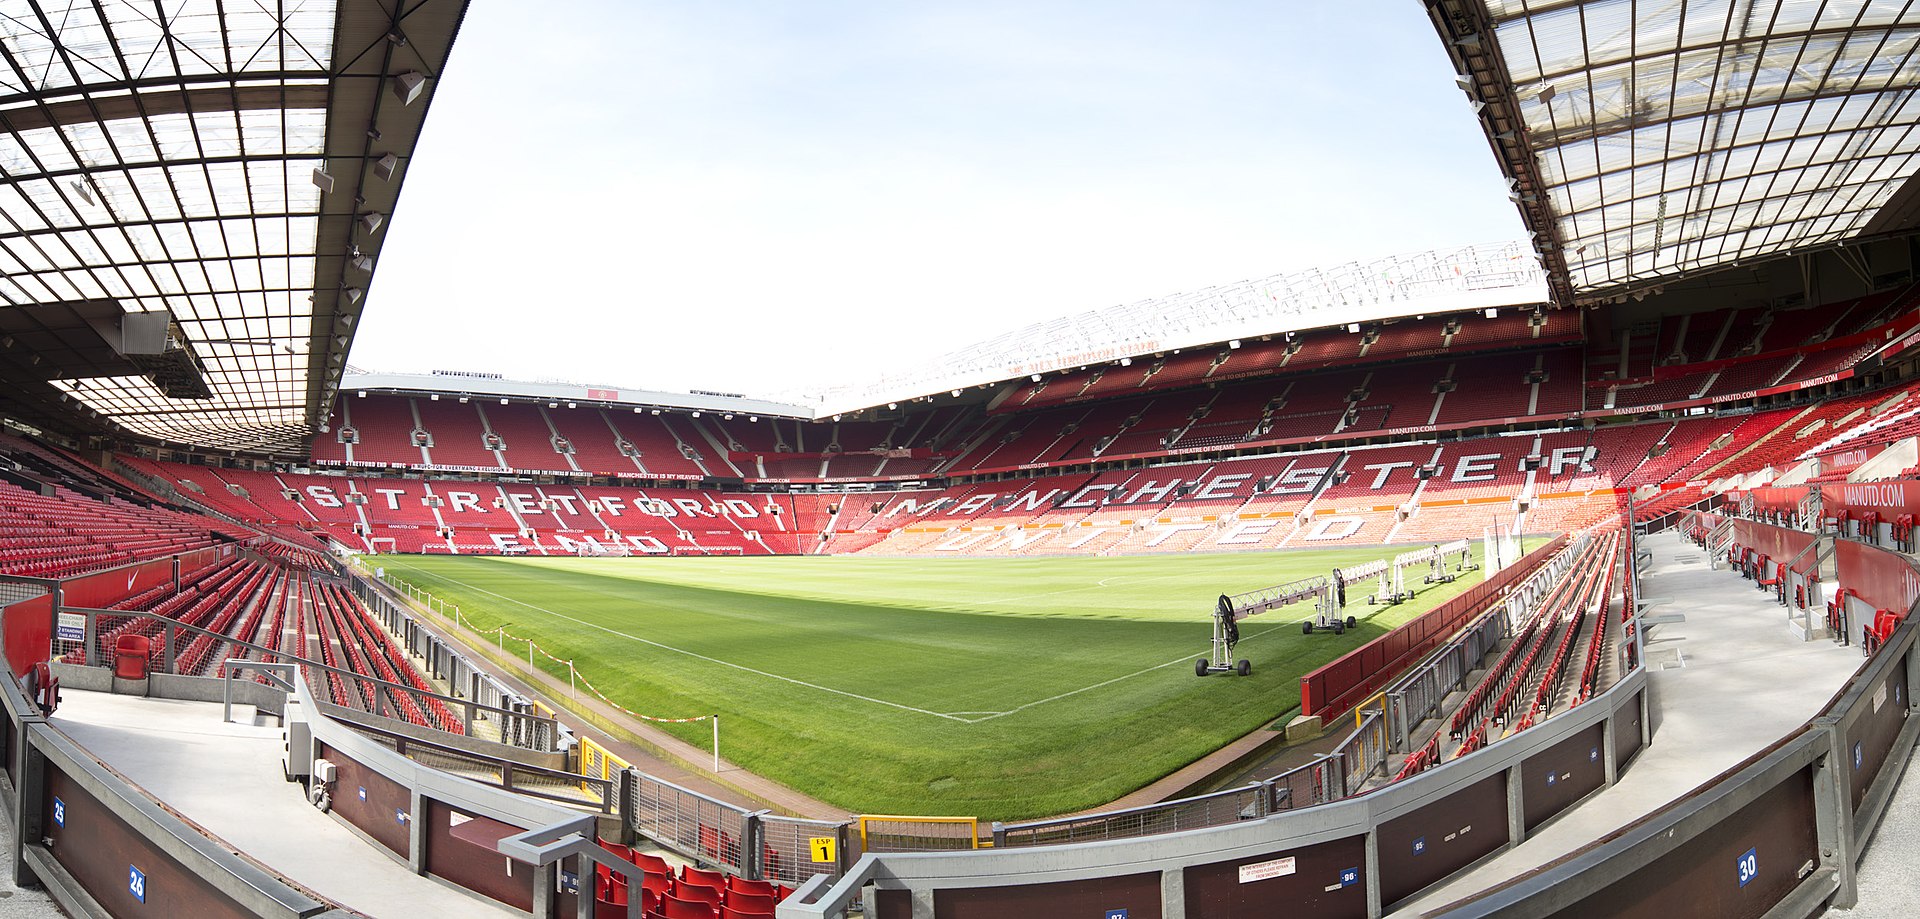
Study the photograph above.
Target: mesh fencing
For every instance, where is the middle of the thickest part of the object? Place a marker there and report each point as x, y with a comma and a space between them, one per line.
918, 834
789, 855
688, 822
1421, 694
1216, 809
1317, 782
1364, 752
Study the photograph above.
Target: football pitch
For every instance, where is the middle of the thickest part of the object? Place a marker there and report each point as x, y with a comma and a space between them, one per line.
1003, 689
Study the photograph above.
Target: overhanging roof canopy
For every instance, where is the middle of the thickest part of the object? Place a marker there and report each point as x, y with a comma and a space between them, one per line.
233, 163
1647, 138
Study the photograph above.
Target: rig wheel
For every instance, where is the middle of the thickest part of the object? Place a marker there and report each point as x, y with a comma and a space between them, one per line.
1306, 628
1245, 668
1200, 667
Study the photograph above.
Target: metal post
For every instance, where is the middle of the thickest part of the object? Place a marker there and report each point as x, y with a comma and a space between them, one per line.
91, 637
716, 744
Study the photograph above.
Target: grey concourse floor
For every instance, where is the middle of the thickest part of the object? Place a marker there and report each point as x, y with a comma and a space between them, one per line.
227, 778
1738, 681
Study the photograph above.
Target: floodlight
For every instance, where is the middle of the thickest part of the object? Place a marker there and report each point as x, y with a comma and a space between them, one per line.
372, 220
364, 263
322, 181
696, 414
408, 86
503, 401
433, 397
1493, 312
1126, 362
1234, 345
385, 165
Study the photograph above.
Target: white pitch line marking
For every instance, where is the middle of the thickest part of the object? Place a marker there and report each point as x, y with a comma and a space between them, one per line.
950, 716
712, 660
1074, 692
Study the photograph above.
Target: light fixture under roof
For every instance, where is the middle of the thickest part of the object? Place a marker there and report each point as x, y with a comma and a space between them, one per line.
408, 86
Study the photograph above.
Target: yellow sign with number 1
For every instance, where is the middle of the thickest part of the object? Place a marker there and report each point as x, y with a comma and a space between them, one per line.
823, 847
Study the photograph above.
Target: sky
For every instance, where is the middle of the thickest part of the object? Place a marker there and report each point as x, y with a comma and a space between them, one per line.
763, 198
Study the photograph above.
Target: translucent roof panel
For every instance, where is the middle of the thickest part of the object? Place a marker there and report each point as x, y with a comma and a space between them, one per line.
1678, 135
229, 164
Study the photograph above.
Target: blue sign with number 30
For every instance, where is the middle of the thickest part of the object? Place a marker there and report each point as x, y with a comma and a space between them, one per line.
1749, 866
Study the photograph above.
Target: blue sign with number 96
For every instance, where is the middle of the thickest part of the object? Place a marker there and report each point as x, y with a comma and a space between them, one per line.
1749, 866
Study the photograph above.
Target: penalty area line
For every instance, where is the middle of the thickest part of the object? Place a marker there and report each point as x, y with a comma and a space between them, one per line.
693, 654
1074, 692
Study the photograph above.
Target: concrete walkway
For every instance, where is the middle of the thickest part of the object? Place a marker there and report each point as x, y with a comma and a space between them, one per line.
1734, 681
228, 779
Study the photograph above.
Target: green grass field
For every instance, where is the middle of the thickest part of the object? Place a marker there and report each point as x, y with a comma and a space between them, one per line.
996, 688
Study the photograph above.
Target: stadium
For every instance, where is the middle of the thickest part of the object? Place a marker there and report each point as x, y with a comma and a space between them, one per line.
1568, 575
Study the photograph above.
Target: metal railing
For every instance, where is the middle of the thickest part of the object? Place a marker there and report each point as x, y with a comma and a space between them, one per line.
443, 661
707, 829
517, 728
1364, 753
1249, 802
1423, 691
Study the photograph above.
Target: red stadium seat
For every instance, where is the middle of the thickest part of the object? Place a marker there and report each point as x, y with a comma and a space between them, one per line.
130, 656
691, 890
714, 879
739, 885
750, 902
675, 908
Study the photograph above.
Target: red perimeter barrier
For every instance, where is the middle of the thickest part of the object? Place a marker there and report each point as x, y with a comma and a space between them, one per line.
1345, 682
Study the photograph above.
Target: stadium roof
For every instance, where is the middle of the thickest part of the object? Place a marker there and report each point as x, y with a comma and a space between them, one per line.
225, 168
1438, 281
1644, 139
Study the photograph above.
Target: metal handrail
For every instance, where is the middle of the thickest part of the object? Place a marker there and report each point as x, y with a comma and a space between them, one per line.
306, 662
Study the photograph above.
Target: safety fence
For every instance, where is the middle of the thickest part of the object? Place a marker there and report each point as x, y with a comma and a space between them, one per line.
1326, 778
440, 659
1422, 692
346, 690
1342, 683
